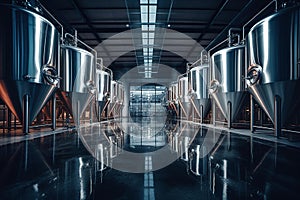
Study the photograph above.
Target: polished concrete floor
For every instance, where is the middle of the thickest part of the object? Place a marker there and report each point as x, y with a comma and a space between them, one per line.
148, 159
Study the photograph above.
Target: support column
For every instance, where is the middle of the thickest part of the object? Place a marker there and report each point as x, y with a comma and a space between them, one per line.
54, 112
252, 114
229, 119
201, 113
78, 114
91, 112
277, 117
25, 121
214, 112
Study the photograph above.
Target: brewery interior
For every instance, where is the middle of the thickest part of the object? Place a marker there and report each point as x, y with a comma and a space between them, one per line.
149, 99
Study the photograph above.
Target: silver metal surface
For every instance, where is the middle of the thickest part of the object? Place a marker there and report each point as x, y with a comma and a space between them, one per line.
183, 89
103, 84
227, 83
117, 98
29, 59
273, 50
77, 84
183, 98
198, 83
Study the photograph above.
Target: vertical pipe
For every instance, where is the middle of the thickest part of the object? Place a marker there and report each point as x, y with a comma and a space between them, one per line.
8, 119
91, 112
214, 112
25, 121
277, 117
3, 121
54, 112
78, 113
229, 117
252, 113
15, 122
201, 113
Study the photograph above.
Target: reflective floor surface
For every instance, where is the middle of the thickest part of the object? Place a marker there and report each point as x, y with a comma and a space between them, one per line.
147, 159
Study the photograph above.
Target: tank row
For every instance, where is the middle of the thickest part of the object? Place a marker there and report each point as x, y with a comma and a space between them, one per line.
257, 74
40, 62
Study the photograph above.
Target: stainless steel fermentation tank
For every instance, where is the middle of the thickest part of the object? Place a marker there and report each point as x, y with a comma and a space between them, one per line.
198, 78
117, 99
228, 85
77, 85
29, 60
273, 74
173, 97
103, 85
183, 98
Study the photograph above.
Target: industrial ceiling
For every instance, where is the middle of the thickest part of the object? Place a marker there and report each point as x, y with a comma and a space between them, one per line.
176, 30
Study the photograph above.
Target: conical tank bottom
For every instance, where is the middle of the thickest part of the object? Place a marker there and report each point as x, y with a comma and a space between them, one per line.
186, 109
237, 101
288, 91
206, 103
12, 93
75, 102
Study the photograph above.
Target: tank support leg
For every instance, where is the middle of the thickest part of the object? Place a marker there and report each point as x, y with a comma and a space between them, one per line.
8, 119
53, 112
229, 107
214, 112
252, 114
91, 112
78, 113
277, 117
201, 113
25, 114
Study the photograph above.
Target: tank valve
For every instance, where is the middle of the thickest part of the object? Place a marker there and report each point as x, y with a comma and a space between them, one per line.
253, 75
91, 87
214, 85
50, 75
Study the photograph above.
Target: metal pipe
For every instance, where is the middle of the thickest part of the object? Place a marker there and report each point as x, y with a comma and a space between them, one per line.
8, 119
84, 44
183, 109
106, 68
214, 112
195, 107
102, 113
91, 112
252, 110
230, 36
202, 113
78, 113
54, 112
229, 107
25, 120
61, 26
277, 117
258, 15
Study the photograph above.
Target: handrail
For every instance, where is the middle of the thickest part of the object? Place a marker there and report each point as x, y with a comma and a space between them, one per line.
276, 7
61, 26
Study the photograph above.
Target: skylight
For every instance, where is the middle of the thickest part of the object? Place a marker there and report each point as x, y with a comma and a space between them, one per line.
148, 19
